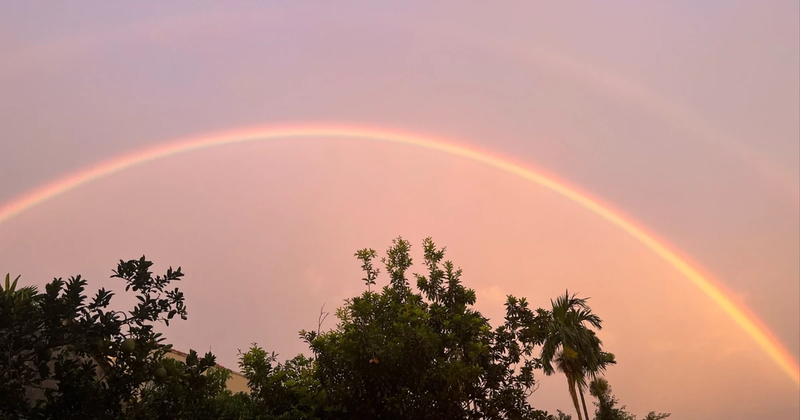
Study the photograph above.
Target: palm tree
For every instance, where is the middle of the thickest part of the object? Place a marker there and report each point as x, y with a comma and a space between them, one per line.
567, 362
568, 341
604, 359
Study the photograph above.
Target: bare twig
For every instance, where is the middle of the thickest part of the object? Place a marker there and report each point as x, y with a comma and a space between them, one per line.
322, 316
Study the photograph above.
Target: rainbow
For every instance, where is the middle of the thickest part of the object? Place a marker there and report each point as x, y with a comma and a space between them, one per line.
589, 73
754, 328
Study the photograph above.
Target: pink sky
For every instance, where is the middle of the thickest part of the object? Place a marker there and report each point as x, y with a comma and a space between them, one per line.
266, 231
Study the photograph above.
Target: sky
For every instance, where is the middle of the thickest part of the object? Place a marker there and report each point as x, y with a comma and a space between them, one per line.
684, 116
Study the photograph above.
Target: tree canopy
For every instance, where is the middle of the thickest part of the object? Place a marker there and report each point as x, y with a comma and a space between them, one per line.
413, 348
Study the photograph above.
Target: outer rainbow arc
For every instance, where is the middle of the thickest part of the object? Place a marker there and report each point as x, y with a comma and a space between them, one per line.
738, 313
600, 79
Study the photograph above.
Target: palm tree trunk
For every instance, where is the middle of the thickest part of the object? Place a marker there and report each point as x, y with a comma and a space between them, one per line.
583, 401
574, 396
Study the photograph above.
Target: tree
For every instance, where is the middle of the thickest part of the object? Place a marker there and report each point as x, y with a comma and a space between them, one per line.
403, 353
63, 357
568, 341
560, 416
285, 391
607, 404
184, 390
567, 363
397, 352
585, 371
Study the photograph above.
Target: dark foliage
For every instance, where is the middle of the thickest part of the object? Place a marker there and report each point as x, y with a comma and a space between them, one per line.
403, 351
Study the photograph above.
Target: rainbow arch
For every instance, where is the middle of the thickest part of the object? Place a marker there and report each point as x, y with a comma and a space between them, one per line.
588, 73
752, 326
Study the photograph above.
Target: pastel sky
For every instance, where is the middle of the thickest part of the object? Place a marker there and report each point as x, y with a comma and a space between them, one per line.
683, 115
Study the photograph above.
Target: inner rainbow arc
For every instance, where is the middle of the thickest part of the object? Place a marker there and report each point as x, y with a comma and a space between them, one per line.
752, 326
